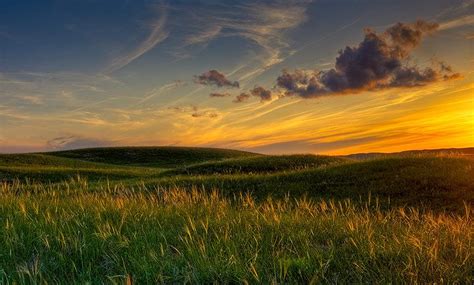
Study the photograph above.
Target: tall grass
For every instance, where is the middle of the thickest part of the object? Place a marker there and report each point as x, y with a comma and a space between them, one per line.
62, 233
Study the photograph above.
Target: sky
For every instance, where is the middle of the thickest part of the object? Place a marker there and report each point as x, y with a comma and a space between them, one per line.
293, 76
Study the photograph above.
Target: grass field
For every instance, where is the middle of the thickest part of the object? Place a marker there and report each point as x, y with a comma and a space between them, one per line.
175, 215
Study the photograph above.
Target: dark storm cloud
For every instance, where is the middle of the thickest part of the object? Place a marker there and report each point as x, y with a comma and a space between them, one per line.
214, 77
242, 97
379, 61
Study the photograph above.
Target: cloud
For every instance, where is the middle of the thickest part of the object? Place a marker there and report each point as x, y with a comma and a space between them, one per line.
262, 93
157, 35
267, 26
219, 95
242, 97
257, 91
208, 114
262, 23
459, 22
75, 142
195, 111
160, 90
57, 93
184, 108
300, 82
214, 77
204, 36
379, 61
34, 100
310, 145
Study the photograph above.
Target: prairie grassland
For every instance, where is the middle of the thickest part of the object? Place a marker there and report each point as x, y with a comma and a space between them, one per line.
177, 215
64, 233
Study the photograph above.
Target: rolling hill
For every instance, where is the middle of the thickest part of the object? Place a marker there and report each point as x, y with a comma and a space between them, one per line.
164, 157
192, 215
437, 179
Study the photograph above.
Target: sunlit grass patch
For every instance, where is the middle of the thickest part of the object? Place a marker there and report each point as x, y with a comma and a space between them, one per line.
184, 235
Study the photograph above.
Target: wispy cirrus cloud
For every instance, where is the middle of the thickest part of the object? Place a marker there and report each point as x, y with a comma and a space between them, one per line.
74, 142
52, 88
203, 36
160, 90
263, 24
157, 34
458, 22
195, 111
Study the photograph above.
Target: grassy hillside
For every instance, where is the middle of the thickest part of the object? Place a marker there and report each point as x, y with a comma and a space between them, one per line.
107, 163
259, 164
467, 152
165, 157
436, 182
177, 215
49, 168
439, 182
181, 236
40, 160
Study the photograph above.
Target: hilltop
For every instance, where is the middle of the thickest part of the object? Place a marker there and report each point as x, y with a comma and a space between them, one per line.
467, 152
438, 179
161, 156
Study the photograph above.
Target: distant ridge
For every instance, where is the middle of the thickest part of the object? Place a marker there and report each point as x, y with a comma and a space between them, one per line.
468, 152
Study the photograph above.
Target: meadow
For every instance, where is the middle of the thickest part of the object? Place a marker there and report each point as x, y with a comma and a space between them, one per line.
187, 215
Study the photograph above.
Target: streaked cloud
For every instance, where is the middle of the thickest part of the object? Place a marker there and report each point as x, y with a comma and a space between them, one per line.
195, 111
263, 24
160, 90
74, 142
459, 22
157, 34
203, 36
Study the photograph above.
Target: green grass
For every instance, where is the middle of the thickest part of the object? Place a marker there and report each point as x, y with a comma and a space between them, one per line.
175, 215
439, 183
177, 236
259, 164
49, 168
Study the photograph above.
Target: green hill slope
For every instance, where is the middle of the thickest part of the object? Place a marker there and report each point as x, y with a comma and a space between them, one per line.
41, 160
165, 157
48, 168
467, 152
260, 164
437, 182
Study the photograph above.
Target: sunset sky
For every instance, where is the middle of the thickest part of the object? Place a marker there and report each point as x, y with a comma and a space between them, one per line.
294, 76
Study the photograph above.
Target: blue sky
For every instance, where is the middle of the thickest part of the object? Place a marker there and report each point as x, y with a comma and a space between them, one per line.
83, 73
